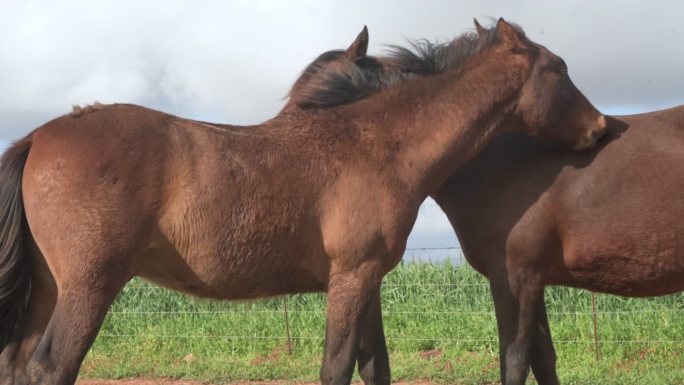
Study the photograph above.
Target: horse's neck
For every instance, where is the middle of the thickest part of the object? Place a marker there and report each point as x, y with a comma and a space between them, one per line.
444, 130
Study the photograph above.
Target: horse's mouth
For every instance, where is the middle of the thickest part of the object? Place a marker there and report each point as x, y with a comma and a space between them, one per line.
588, 141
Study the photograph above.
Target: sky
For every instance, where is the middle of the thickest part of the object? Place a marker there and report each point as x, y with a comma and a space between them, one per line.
234, 61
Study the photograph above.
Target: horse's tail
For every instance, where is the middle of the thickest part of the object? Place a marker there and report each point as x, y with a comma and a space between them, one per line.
14, 264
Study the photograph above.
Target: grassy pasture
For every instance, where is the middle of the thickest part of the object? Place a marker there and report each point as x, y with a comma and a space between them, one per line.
438, 319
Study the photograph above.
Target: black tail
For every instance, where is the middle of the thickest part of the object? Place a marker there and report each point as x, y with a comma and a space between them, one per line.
14, 270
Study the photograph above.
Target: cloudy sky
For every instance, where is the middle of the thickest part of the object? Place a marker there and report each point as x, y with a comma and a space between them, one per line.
234, 61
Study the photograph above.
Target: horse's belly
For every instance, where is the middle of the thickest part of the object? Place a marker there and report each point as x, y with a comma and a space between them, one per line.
213, 275
236, 288
639, 272
631, 244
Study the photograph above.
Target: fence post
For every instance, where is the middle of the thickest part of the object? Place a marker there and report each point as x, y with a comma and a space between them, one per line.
287, 328
596, 337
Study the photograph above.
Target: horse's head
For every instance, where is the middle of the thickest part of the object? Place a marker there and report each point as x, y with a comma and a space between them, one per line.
548, 105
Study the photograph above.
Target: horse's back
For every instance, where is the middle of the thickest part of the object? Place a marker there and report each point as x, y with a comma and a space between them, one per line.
672, 115
103, 151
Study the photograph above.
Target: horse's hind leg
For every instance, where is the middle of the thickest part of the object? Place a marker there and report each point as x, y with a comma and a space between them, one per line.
89, 267
18, 352
373, 357
84, 296
88, 274
543, 355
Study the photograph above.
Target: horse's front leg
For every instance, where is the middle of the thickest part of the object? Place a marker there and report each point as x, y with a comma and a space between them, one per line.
373, 357
516, 297
350, 295
543, 355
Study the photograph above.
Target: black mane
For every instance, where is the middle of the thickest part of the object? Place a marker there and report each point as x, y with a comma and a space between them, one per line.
333, 79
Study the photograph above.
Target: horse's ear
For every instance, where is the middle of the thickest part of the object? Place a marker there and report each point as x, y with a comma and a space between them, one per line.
508, 33
478, 27
359, 47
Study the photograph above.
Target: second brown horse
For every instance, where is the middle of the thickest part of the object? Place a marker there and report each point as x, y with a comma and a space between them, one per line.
608, 220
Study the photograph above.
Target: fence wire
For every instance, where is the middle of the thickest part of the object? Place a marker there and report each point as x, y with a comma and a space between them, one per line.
130, 309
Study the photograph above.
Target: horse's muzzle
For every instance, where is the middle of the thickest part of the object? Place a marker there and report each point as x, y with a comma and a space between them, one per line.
588, 141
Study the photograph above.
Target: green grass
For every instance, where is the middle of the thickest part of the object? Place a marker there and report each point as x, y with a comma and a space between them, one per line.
438, 319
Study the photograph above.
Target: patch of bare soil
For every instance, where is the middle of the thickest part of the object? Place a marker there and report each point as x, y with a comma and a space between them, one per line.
433, 353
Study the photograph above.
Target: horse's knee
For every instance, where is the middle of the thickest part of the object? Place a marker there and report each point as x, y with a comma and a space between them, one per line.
42, 372
40, 369
328, 376
38, 373
375, 376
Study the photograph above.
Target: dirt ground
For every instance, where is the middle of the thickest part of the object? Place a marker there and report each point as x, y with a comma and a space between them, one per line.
183, 382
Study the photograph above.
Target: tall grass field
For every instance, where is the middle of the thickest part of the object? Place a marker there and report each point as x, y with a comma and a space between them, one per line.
439, 323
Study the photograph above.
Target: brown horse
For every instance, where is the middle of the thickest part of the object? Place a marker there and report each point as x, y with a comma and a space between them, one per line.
555, 225
609, 220
320, 198
543, 356
529, 215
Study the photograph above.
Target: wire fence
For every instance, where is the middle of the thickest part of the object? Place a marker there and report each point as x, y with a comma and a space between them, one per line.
425, 305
